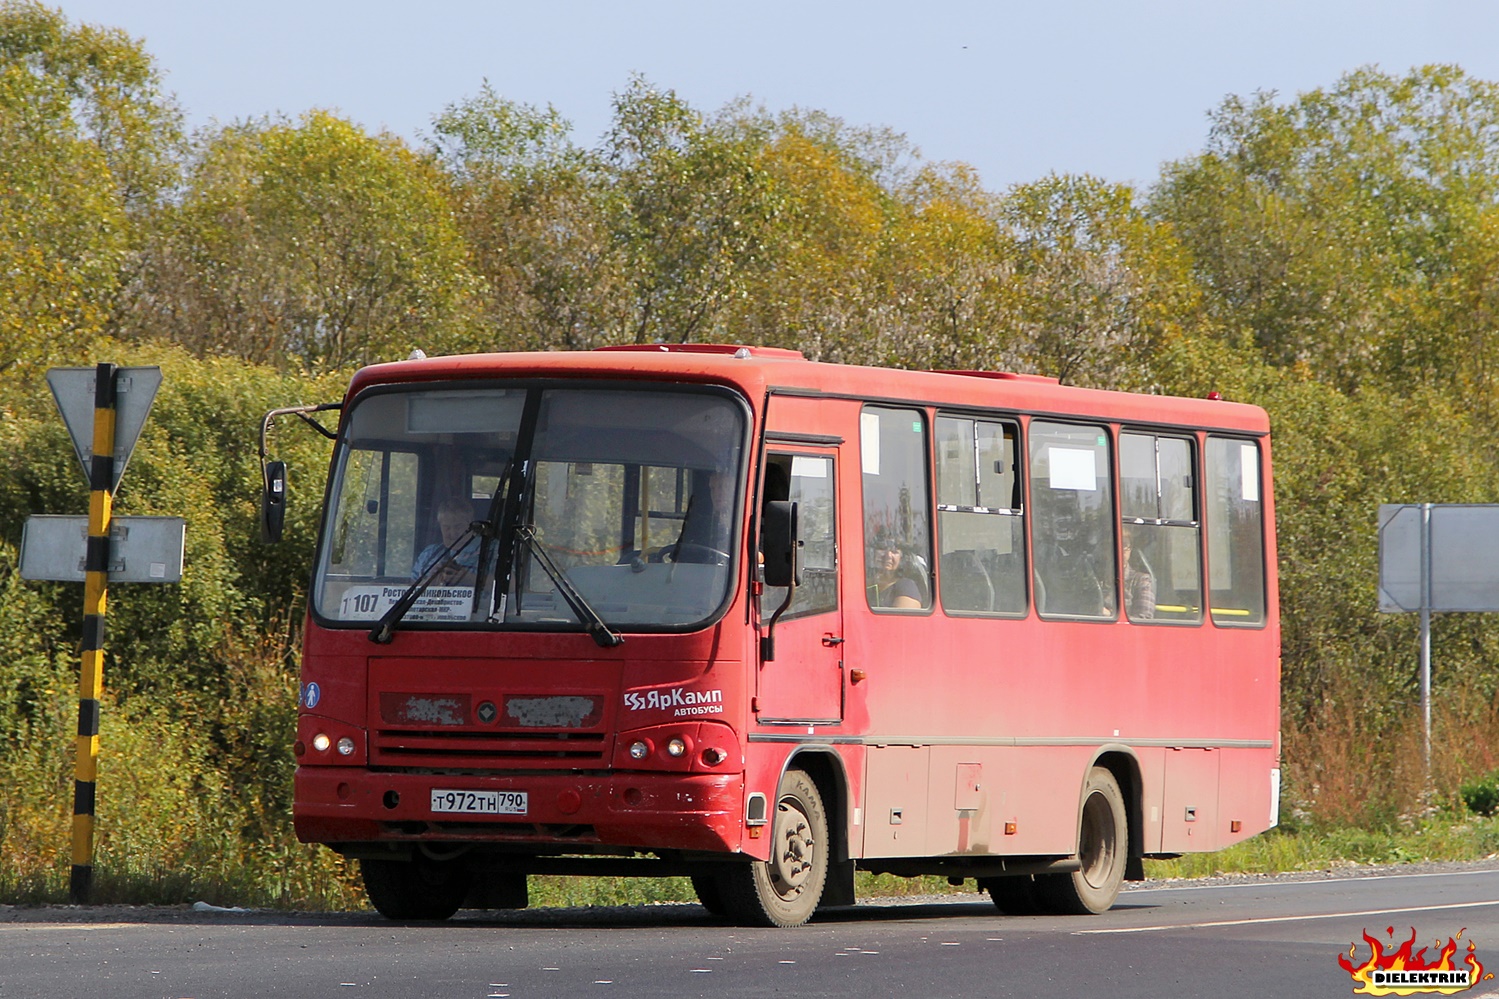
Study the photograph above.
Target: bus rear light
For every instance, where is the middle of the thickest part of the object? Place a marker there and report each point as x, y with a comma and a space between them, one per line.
676, 746
640, 749
321, 742
713, 756
345, 746
299, 748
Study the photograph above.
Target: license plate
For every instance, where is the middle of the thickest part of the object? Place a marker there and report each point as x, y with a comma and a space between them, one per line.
479, 802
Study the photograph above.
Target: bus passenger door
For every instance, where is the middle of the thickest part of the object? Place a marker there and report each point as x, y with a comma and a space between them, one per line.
803, 684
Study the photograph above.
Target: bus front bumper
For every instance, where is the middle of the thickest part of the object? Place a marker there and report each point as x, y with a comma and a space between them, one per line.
339, 805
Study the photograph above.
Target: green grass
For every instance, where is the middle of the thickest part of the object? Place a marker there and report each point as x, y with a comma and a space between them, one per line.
1279, 851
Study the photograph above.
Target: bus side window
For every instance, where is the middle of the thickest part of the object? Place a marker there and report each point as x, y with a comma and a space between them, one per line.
980, 527
1235, 533
897, 515
806, 480
1160, 532
1072, 528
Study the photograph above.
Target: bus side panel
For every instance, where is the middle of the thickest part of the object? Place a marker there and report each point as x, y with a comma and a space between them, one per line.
1152, 760
1245, 791
935, 801
1189, 803
895, 801
977, 793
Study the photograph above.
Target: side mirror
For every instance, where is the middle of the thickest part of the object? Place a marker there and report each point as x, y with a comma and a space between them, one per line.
780, 541
273, 502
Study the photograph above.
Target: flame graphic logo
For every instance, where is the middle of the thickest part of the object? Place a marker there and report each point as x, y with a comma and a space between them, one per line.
1405, 971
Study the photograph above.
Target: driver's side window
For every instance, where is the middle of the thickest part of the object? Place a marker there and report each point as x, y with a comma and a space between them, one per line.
807, 481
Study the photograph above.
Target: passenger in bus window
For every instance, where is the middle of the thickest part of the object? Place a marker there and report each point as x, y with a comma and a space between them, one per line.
454, 514
1071, 561
1139, 581
888, 587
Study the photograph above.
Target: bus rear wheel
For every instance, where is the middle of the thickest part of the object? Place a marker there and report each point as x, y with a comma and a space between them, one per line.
419, 888
1014, 895
1102, 848
784, 890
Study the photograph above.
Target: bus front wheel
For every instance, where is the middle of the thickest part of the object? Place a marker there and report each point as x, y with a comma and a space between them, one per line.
1102, 848
419, 888
784, 890
709, 893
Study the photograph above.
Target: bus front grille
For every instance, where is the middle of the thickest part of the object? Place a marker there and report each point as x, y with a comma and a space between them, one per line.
547, 750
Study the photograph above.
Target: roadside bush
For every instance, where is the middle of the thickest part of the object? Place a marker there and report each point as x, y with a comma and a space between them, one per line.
1481, 795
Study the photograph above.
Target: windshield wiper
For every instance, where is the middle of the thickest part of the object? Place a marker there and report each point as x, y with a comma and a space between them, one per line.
488, 530
385, 628
605, 636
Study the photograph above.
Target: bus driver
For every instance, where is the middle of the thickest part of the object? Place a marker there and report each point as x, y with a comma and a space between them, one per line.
454, 515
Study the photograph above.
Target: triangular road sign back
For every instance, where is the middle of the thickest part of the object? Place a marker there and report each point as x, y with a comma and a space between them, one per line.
135, 390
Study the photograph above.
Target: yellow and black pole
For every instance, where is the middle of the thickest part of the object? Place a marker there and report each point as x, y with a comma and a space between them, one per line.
95, 597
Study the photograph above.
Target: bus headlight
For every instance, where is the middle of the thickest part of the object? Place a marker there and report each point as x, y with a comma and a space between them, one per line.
329, 742
694, 747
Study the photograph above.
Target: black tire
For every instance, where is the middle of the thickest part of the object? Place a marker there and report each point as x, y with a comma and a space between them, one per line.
415, 889
785, 890
710, 893
1102, 847
1013, 896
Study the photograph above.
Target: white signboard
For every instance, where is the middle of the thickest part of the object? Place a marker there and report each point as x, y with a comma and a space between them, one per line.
437, 603
141, 549
1463, 555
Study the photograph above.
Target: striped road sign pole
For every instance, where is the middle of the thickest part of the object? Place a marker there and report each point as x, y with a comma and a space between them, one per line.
95, 600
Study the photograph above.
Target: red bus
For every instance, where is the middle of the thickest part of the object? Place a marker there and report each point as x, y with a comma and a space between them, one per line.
727, 613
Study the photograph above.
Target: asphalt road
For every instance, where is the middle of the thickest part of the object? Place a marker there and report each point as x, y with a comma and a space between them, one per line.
1248, 937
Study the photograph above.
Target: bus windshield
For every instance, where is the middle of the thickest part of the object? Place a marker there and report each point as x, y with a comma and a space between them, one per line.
502, 498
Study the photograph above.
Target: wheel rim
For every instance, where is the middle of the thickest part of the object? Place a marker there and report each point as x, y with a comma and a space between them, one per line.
1099, 841
796, 849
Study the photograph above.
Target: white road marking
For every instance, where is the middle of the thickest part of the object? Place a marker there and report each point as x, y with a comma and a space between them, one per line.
1284, 919
1321, 881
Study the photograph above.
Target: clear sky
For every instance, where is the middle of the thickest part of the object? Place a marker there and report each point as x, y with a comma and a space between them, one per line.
1018, 90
